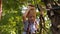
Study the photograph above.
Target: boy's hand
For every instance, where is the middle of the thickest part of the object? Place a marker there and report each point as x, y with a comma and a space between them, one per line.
29, 7
25, 14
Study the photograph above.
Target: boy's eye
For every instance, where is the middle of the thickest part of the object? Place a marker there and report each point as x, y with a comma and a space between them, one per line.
31, 16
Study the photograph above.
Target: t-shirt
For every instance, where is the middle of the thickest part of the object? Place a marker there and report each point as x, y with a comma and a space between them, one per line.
32, 25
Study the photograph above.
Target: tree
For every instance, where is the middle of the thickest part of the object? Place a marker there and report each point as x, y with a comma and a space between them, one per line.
11, 21
53, 14
0, 8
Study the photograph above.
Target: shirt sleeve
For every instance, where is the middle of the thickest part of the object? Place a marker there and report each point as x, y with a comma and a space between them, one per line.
38, 20
33, 29
25, 24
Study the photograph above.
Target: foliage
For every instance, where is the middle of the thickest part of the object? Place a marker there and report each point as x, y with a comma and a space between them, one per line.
11, 22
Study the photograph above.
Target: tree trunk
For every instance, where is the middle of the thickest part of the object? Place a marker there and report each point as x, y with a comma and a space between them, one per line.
0, 8
55, 21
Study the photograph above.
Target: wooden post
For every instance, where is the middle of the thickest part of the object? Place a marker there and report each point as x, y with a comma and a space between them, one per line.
0, 8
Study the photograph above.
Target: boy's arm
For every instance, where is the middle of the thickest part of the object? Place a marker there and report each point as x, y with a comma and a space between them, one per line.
25, 15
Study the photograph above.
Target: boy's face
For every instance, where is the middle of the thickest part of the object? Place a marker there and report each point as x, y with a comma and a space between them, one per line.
31, 18
32, 14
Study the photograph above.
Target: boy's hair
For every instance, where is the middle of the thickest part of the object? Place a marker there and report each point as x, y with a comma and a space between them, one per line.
32, 12
31, 5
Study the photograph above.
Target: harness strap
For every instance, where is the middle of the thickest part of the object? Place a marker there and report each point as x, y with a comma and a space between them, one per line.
28, 29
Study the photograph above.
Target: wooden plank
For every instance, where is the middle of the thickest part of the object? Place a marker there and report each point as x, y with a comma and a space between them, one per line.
0, 9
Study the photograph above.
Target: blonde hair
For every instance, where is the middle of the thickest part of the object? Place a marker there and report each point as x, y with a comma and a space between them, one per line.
32, 12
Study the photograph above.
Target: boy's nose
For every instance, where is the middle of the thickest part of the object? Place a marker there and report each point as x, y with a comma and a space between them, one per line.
31, 17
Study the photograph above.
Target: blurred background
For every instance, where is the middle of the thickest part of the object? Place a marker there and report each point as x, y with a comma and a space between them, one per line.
11, 16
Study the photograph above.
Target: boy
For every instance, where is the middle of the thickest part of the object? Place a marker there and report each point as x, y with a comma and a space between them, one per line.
30, 25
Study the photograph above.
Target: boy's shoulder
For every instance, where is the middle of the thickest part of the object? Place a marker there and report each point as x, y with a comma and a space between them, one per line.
37, 21
25, 22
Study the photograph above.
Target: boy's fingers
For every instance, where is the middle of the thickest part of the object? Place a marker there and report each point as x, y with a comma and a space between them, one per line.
29, 7
32, 7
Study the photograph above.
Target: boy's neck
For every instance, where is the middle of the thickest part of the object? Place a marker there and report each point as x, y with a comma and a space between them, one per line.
31, 22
